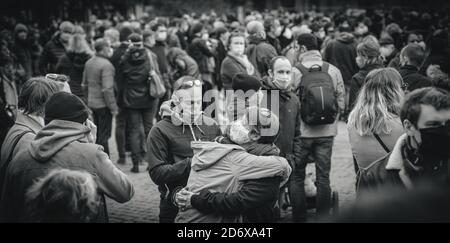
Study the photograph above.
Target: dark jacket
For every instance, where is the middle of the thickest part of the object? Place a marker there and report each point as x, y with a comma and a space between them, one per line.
341, 52
357, 82
220, 56
288, 112
200, 52
61, 144
23, 52
229, 68
413, 78
169, 150
182, 64
135, 68
255, 201
53, 51
161, 49
273, 41
118, 78
72, 65
260, 53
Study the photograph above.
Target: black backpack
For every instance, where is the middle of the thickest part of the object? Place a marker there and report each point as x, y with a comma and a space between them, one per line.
317, 95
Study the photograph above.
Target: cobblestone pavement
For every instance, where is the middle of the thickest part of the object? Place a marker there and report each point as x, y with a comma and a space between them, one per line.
144, 207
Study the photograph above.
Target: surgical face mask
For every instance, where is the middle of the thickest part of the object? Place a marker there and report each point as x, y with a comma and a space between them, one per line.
386, 51
162, 36
238, 133
205, 36
320, 34
360, 61
278, 31
361, 29
282, 79
434, 148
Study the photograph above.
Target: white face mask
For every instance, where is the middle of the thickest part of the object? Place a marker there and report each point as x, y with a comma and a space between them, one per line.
360, 62
238, 133
385, 51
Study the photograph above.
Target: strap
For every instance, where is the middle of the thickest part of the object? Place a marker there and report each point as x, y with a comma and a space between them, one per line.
4, 167
381, 143
304, 70
325, 67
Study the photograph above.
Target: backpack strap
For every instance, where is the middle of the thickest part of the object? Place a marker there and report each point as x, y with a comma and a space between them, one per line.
325, 67
304, 70
4, 167
381, 143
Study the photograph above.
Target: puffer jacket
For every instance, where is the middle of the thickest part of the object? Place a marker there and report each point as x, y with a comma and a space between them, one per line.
61, 144
72, 64
222, 168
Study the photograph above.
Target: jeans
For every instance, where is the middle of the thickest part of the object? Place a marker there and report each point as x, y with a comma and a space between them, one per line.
140, 121
103, 121
121, 124
320, 149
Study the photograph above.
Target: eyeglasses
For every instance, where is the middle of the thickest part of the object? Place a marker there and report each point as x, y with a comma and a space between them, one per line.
57, 77
187, 84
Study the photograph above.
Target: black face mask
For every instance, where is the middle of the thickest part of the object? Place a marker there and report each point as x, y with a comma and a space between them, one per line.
434, 150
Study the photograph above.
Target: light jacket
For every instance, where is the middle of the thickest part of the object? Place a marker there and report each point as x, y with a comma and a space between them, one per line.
222, 168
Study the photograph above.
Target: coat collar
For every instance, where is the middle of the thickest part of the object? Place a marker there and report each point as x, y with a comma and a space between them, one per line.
32, 122
397, 162
310, 56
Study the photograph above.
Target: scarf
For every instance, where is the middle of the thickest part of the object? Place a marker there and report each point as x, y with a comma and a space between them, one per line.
243, 60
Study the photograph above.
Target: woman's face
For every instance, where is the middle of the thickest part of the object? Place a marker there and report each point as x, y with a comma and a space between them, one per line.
237, 45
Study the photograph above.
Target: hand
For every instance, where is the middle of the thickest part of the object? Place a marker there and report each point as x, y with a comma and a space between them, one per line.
183, 199
92, 137
114, 113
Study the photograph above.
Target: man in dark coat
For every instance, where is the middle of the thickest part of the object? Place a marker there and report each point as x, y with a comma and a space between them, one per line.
22, 49
56, 48
411, 57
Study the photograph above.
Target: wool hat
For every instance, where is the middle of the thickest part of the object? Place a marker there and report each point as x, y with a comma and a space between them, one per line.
124, 33
308, 40
20, 28
245, 82
65, 106
197, 28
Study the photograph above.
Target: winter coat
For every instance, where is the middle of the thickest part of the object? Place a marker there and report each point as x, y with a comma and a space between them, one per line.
182, 64
357, 82
61, 144
8, 97
23, 52
53, 51
169, 150
72, 64
135, 68
200, 52
161, 49
223, 168
341, 52
260, 53
413, 78
98, 83
230, 67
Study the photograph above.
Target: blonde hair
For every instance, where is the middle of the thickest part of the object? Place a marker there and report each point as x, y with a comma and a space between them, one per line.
63, 196
78, 44
378, 102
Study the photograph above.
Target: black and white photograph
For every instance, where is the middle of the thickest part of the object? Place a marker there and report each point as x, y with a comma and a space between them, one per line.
224, 112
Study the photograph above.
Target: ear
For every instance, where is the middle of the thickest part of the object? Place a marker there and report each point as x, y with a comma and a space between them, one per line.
270, 72
409, 128
254, 135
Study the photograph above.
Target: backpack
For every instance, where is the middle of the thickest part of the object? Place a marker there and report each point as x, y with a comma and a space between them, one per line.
317, 95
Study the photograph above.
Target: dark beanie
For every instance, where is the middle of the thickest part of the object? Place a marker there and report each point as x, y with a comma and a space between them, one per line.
245, 82
124, 33
197, 28
65, 106
309, 41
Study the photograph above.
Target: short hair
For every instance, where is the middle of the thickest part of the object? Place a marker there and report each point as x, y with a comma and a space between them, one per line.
309, 41
275, 59
100, 44
235, 34
415, 54
157, 25
35, 93
113, 35
435, 97
63, 196
262, 118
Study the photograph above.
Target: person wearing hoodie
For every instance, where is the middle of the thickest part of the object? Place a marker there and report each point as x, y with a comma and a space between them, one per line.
238, 178
316, 140
169, 150
56, 48
182, 64
22, 49
73, 62
140, 108
98, 87
368, 58
341, 53
259, 52
67, 142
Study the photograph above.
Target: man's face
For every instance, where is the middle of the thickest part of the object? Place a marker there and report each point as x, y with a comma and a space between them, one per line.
22, 35
429, 117
190, 103
66, 35
281, 74
150, 41
161, 33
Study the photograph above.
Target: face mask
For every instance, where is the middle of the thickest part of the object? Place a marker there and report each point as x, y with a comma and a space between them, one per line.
435, 147
238, 49
360, 62
321, 35
238, 133
282, 83
423, 45
385, 52
205, 36
162, 36
278, 31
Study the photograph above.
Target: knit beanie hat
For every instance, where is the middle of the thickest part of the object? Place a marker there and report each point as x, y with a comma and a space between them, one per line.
245, 82
125, 32
65, 106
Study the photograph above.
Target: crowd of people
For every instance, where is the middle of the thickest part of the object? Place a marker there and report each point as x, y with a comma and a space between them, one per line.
281, 83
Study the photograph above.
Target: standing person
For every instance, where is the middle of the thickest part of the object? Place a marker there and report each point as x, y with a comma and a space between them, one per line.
341, 53
56, 48
222, 36
367, 60
236, 61
411, 57
388, 51
22, 49
273, 30
259, 51
375, 120
73, 62
140, 107
317, 135
98, 86
421, 154
182, 64
65, 142
169, 150
160, 49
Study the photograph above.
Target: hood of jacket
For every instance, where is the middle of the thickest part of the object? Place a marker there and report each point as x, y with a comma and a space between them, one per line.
209, 153
55, 136
345, 37
136, 55
78, 59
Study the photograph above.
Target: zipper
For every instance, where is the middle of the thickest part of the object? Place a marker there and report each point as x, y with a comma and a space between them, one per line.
321, 96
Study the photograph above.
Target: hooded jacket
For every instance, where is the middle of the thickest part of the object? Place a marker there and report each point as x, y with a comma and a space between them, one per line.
260, 53
341, 52
61, 144
222, 168
72, 64
357, 82
413, 78
52, 52
169, 150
